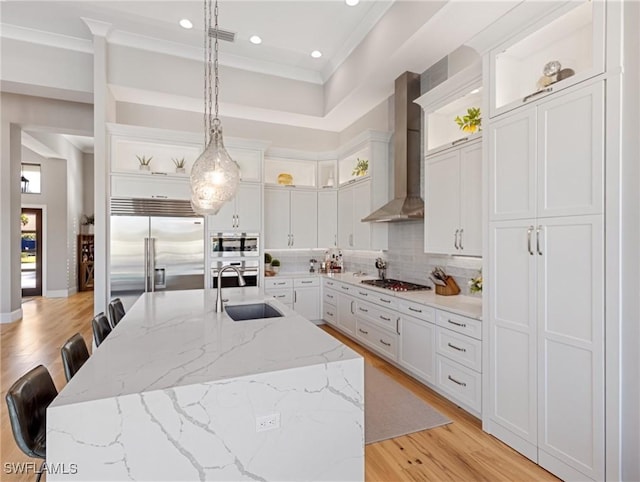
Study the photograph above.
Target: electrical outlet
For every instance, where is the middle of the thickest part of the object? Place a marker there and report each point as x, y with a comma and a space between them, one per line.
268, 422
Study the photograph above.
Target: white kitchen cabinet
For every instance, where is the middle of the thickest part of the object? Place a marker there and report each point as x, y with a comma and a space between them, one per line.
290, 218
306, 297
327, 219
548, 159
453, 220
417, 351
347, 313
150, 186
546, 308
242, 213
354, 203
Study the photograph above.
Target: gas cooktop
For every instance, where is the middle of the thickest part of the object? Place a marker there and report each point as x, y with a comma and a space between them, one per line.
395, 285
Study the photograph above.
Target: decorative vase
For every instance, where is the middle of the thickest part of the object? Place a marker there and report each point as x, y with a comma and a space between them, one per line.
275, 269
145, 167
180, 170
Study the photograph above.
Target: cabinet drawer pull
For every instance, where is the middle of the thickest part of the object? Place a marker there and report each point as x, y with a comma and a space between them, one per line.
413, 309
306, 282
158, 196
464, 139
548, 89
457, 348
362, 331
363, 294
329, 313
329, 296
281, 283
156, 173
461, 325
384, 301
280, 296
384, 342
330, 283
385, 318
462, 384
346, 288
364, 310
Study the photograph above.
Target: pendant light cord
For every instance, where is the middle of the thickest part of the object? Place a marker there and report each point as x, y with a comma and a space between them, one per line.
211, 81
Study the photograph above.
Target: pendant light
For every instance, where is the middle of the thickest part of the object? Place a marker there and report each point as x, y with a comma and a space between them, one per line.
214, 176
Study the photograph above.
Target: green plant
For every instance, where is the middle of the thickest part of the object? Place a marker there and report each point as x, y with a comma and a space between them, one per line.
267, 258
362, 167
475, 284
24, 219
275, 263
178, 162
144, 160
87, 219
470, 122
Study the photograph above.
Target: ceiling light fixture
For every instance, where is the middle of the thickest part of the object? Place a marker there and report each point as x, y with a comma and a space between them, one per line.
352, 3
316, 54
254, 39
186, 23
214, 176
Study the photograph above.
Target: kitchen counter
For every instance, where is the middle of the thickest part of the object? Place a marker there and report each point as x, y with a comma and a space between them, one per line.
460, 304
179, 383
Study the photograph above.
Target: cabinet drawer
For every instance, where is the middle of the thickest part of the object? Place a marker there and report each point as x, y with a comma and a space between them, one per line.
460, 348
284, 296
330, 297
459, 323
331, 283
329, 313
371, 312
305, 282
380, 340
149, 187
277, 283
463, 384
426, 313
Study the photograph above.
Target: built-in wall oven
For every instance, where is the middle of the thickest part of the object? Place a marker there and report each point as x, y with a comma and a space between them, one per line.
241, 250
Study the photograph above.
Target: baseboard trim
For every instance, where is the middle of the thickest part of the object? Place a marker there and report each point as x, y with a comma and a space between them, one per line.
72, 291
57, 294
11, 317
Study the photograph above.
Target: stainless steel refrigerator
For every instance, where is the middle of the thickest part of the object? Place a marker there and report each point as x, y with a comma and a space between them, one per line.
155, 253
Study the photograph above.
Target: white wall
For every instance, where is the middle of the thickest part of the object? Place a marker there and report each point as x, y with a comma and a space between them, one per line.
88, 206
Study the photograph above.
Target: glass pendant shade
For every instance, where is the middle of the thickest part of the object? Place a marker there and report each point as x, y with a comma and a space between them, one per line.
214, 176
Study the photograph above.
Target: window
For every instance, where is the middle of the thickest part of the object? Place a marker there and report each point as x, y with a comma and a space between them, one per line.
30, 179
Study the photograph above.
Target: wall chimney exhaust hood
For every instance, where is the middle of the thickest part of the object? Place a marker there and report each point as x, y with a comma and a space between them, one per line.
407, 204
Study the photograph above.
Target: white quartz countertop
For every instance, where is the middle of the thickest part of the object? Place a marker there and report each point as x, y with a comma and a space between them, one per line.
175, 338
460, 304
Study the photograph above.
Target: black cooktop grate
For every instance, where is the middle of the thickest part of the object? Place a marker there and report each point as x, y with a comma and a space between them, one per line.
395, 285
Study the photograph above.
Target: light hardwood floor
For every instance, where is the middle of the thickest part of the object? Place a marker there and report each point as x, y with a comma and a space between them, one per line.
458, 451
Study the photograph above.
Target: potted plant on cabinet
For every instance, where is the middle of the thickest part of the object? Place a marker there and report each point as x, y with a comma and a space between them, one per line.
179, 165
144, 162
471, 122
275, 265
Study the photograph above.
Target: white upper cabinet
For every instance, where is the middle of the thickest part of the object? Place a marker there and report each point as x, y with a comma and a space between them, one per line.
548, 159
354, 203
453, 220
242, 213
569, 41
290, 218
328, 218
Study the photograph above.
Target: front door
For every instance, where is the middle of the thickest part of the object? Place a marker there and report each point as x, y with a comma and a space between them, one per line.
31, 251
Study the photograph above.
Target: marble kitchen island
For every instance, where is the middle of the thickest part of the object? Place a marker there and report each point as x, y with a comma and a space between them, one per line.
178, 392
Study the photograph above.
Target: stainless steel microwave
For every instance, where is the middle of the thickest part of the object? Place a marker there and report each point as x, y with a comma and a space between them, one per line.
235, 245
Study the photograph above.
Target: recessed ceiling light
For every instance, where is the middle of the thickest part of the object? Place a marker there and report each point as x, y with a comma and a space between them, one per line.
352, 3
186, 23
474, 91
316, 54
254, 39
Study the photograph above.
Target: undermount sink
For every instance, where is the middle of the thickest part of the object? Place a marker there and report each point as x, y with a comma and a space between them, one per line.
254, 311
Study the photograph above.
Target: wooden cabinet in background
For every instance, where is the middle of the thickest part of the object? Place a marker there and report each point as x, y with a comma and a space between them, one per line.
85, 262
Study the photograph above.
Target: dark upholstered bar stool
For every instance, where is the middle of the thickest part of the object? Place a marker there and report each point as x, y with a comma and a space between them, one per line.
101, 328
28, 399
74, 353
116, 311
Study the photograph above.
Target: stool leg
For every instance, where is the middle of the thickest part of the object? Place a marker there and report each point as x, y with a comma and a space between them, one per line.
40, 471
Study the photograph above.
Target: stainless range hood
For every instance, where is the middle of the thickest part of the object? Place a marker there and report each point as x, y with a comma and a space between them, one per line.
407, 204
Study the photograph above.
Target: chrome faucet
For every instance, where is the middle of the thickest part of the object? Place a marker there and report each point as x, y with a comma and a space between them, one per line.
241, 282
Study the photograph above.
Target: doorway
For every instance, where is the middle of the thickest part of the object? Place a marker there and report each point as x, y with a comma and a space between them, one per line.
31, 251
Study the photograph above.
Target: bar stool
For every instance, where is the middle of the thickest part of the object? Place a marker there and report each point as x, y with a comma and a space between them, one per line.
74, 353
116, 311
101, 328
28, 399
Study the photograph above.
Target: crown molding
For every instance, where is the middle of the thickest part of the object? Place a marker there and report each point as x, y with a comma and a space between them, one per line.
97, 28
49, 39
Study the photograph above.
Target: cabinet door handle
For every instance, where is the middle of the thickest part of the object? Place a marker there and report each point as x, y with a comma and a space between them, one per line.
456, 347
158, 196
398, 325
460, 242
455, 239
351, 308
295, 296
413, 309
529, 231
462, 384
384, 318
335, 240
237, 220
362, 331
548, 89
538, 240
461, 325
384, 342
293, 240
